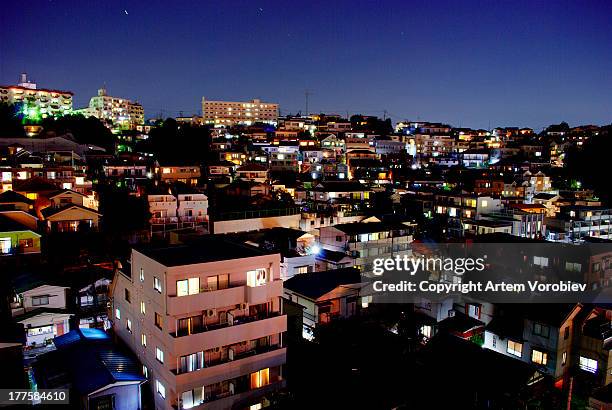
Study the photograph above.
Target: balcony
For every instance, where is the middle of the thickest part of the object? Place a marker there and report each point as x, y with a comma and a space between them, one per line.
244, 328
178, 305
232, 368
261, 294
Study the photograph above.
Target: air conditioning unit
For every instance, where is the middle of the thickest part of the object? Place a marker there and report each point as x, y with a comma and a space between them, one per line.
210, 312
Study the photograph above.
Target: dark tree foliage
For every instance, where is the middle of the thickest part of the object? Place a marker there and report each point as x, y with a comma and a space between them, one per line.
122, 212
174, 142
591, 164
85, 130
372, 124
10, 124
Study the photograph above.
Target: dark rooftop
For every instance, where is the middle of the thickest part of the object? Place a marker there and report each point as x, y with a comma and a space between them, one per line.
210, 248
316, 284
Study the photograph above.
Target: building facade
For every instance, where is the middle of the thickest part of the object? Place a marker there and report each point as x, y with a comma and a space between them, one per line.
238, 112
36, 103
206, 322
118, 112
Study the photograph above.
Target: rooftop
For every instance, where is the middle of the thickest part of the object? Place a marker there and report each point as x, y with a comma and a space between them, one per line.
210, 248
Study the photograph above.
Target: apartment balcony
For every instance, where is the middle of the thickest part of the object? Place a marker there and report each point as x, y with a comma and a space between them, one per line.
193, 219
240, 399
260, 294
179, 305
256, 360
164, 221
241, 329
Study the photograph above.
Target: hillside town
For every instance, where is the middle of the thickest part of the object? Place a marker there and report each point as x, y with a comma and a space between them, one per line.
215, 261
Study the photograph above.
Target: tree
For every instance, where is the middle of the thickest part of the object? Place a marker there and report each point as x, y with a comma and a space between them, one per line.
84, 130
10, 124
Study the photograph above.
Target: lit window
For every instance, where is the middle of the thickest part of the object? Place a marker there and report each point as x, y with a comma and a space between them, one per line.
186, 287
589, 365
256, 277
141, 274
159, 354
161, 390
515, 348
260, 378
145, 371
426, 331
158, 320
539, 357
143, 307
118, 314
128, 325
157, 284
143, 340
563, 358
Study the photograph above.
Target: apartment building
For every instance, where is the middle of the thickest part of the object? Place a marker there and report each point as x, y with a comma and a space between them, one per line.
366, 241
119, 113
230, 113
205, 320
36, 103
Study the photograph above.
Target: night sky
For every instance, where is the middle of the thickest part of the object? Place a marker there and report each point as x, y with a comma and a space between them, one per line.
472, 64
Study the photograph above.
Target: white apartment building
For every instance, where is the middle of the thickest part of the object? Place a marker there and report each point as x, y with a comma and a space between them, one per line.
205, 320
120, 113
36, 103
238, 112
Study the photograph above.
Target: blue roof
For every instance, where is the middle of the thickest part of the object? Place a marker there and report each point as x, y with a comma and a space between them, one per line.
78, 335
91, 360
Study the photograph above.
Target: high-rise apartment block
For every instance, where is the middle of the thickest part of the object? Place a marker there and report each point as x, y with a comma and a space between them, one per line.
205, 319
238, 112
119, 113
36, 103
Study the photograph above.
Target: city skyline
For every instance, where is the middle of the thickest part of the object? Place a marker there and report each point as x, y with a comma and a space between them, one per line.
471, 65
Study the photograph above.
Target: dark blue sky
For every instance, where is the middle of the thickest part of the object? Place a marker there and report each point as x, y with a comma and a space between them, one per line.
528, 63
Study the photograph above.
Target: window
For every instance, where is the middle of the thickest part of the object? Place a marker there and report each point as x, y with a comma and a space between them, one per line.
35, 331
515, 348
26, 243
473, 311
40, 300
191, 362
301, 269
566, 333
145, 371
541, 330
260, 378
573, 267
143, 307
186, 287
426, 331
539, 357
161, 390
118, 314
589, 365
217, 282
540, 261
157, 284
158, 320
143, 340
494, 341
256, 277
159, 354
127, 296
141, 274
563, 358
128, 325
